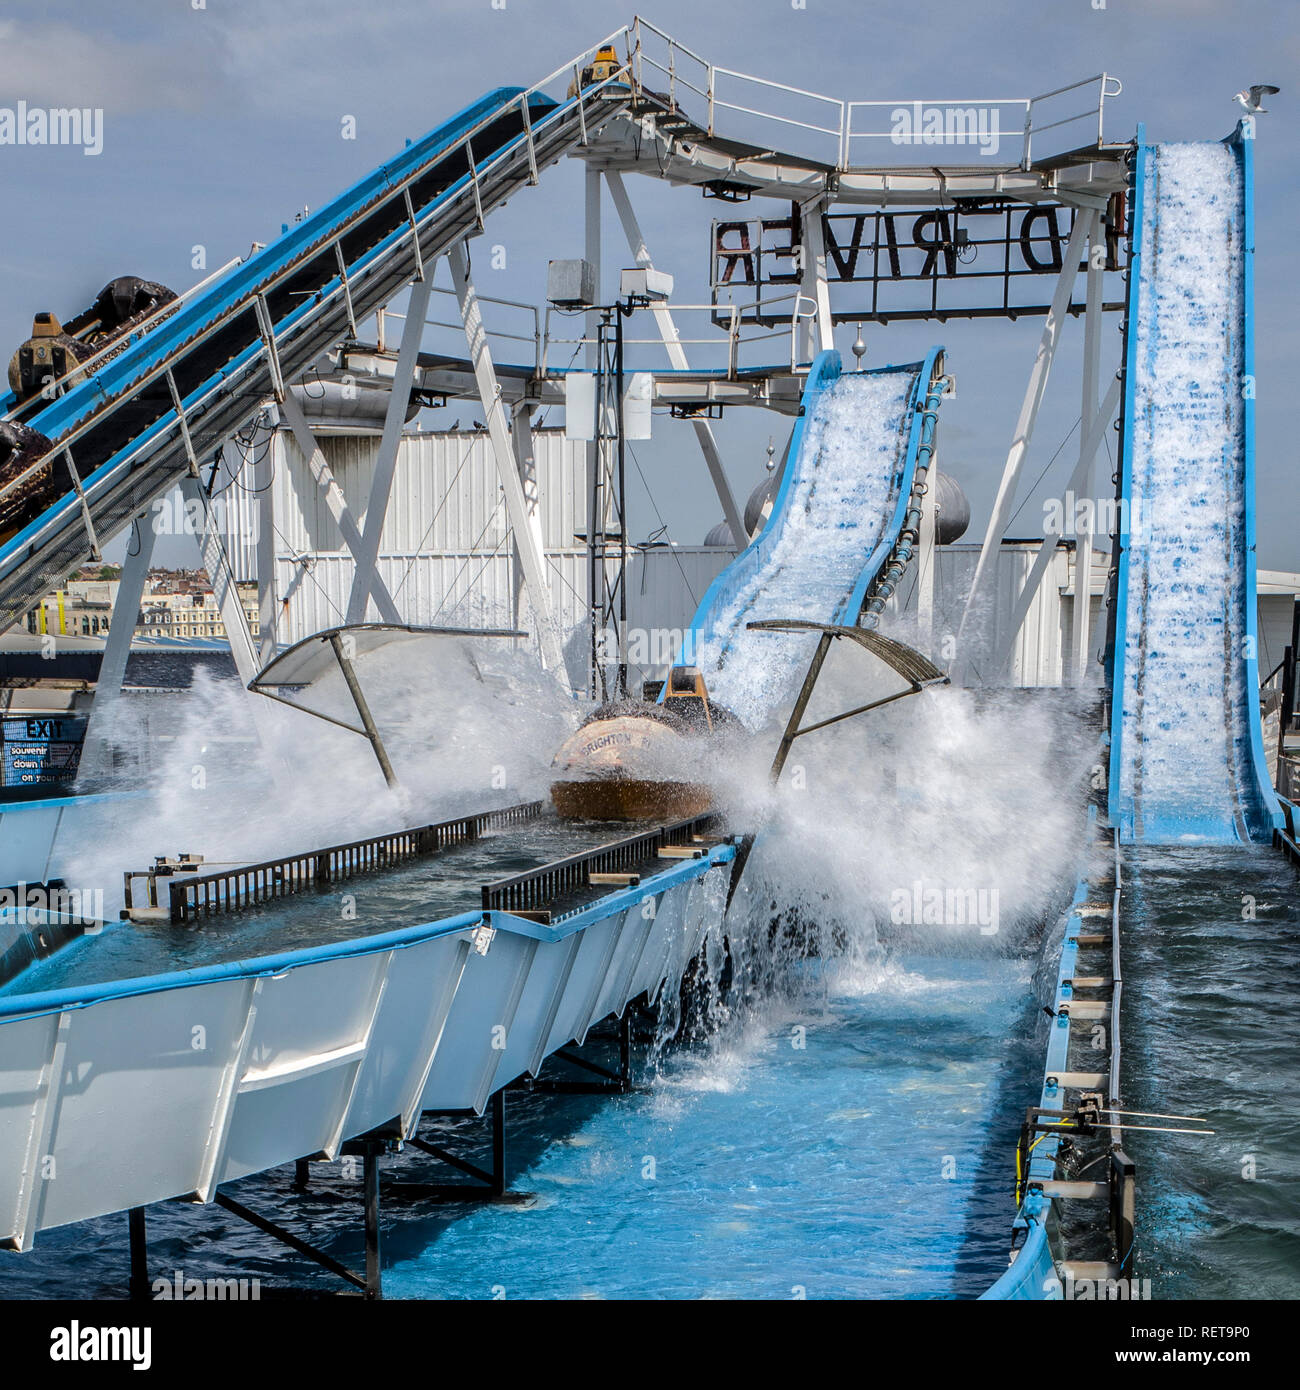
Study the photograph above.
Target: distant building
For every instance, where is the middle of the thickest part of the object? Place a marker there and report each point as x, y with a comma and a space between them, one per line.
191, 613
82, 609
176, 603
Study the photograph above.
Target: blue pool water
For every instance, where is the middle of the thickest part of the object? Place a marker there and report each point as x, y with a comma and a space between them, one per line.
873, 1160
1212, 974
838, 1154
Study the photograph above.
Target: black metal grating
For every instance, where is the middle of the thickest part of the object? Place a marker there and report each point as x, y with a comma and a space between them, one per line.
540, 889
250, 884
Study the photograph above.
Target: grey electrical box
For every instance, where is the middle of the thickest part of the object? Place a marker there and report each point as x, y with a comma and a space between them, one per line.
571, 284
646, 284
579, 404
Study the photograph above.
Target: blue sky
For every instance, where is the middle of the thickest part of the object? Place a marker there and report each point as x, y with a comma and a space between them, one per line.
221, 122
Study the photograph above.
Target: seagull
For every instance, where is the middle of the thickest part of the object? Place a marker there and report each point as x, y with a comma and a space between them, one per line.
1252, 96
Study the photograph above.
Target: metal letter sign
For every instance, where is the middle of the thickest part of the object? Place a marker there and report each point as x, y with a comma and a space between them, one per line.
970, 260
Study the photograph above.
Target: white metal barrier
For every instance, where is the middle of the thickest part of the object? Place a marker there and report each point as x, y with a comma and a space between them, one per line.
120, 1095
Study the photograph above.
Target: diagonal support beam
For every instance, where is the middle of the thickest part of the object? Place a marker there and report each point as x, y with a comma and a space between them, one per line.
973, 628
1077, 486
293, 415
814, 285
521, 436
381, 482
531, 557
95, 759
363, 708
221, 575
677, 358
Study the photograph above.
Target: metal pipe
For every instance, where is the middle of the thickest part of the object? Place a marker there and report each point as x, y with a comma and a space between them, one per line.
363, 709
374, 1266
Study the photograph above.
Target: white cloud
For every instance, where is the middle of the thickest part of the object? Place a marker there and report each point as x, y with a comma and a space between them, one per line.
61, 65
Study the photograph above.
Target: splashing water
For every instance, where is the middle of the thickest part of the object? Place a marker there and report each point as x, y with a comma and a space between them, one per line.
841, 499
838, 1121
465, 729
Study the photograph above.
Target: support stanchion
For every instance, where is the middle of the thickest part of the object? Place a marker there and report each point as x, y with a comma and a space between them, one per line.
139, 1286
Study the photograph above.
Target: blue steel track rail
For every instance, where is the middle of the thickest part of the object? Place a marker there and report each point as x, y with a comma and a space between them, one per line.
1034, 1274
120, 427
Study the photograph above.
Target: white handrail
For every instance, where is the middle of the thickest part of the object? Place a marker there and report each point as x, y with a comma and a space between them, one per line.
728, 334
772, 116
844, 130
779, 86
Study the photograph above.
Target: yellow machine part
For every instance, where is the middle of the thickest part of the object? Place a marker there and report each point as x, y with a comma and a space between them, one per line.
603, 66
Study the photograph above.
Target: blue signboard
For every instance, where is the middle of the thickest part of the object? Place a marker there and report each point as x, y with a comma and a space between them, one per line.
40, 750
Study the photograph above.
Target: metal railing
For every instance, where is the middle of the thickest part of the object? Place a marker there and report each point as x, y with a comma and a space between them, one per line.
1122, 1172
537, 890
907, 124
701, 90
1117, 982
250, 884
728, 317
384, 316
1107, 87
693, 86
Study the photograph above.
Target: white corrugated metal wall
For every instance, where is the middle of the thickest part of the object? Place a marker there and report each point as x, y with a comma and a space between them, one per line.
1040, 652
445, 551
445, 554
445, 497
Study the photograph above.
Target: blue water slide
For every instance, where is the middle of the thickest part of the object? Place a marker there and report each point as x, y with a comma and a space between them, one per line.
1187, 761
836, 519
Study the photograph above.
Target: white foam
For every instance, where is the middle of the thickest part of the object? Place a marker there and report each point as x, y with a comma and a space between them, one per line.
1184, 693
839, 505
